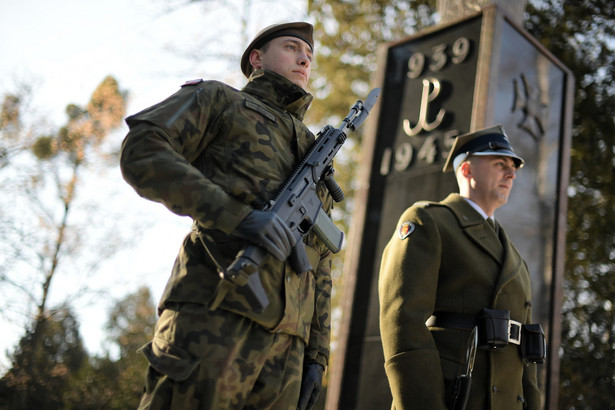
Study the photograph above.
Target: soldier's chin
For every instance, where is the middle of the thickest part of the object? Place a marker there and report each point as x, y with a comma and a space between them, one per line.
299, 80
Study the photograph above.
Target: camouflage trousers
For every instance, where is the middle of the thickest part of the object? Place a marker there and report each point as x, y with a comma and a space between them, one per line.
201, 359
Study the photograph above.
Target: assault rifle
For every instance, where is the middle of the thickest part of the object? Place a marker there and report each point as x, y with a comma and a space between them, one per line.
298, 205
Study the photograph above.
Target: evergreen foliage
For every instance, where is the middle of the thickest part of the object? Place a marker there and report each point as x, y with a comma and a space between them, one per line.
52, 370
44, 363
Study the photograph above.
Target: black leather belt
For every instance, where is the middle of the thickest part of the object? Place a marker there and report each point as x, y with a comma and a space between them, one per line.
451, 320
464, 321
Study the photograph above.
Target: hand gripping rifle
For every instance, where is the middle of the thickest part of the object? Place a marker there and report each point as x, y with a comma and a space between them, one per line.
298, 205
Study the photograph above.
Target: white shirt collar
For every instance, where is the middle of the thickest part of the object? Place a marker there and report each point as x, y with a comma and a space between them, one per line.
478, 208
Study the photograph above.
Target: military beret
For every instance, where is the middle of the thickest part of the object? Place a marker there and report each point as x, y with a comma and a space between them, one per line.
302, 30
487, 141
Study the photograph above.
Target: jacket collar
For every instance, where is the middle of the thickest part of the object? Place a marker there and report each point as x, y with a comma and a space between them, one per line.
475, 226
276, 90
465, 213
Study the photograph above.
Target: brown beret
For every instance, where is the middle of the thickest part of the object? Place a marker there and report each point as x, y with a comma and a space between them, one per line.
302, 30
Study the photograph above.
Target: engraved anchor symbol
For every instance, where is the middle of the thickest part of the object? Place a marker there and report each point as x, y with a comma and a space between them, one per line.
427, 96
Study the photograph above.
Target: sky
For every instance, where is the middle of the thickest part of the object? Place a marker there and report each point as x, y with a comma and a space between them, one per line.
64, 48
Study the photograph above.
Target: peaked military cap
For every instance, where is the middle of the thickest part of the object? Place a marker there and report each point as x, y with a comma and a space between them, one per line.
487, 141
299, 29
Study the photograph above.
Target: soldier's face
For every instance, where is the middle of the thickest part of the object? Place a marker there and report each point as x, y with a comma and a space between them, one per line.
492, 179
288, 56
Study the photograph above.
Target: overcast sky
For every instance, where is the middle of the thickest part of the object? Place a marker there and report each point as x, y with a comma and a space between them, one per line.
64, 49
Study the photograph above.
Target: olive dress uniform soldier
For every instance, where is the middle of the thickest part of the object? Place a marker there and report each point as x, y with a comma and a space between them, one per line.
440, 269
217, 155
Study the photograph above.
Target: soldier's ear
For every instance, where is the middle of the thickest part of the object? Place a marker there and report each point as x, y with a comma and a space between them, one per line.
465, 168
255, 59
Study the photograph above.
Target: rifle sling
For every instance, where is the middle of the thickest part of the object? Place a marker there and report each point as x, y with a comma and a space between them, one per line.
211, 249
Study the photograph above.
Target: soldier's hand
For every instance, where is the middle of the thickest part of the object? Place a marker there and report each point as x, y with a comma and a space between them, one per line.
311, 384
268, 230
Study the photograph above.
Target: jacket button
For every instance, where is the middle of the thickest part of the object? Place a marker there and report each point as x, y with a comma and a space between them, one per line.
494, 389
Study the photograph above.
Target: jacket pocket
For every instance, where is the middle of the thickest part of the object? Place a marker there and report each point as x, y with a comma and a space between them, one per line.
176, 363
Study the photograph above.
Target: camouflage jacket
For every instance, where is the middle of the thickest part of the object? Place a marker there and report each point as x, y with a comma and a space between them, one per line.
215, 153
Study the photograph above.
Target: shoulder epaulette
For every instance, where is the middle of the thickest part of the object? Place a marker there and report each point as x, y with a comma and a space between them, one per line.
425, 204
192, 82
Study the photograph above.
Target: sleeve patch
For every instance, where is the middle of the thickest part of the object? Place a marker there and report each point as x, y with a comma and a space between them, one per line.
405, 230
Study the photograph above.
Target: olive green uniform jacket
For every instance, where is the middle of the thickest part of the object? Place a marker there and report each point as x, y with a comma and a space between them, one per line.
451, 261
214, 153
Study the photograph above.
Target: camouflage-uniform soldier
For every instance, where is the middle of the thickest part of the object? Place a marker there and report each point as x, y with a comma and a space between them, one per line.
217, 155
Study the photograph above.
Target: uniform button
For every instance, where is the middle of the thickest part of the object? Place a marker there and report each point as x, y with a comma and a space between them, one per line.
288, 279
494, 389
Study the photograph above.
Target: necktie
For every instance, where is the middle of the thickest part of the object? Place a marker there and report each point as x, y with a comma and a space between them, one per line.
491, 223
493, 226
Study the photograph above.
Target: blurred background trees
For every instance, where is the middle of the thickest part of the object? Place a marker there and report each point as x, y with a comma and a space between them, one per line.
44, 220
50, 368
50, 234
45, 226
582, 36
44, 363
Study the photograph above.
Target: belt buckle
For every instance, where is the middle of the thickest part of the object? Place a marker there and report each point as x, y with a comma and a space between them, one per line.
514, 332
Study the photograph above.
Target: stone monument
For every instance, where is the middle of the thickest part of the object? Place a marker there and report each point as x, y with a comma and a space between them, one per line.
476, 69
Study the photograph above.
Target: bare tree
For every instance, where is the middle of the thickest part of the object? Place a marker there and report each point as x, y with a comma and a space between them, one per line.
214, 49
46, 228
